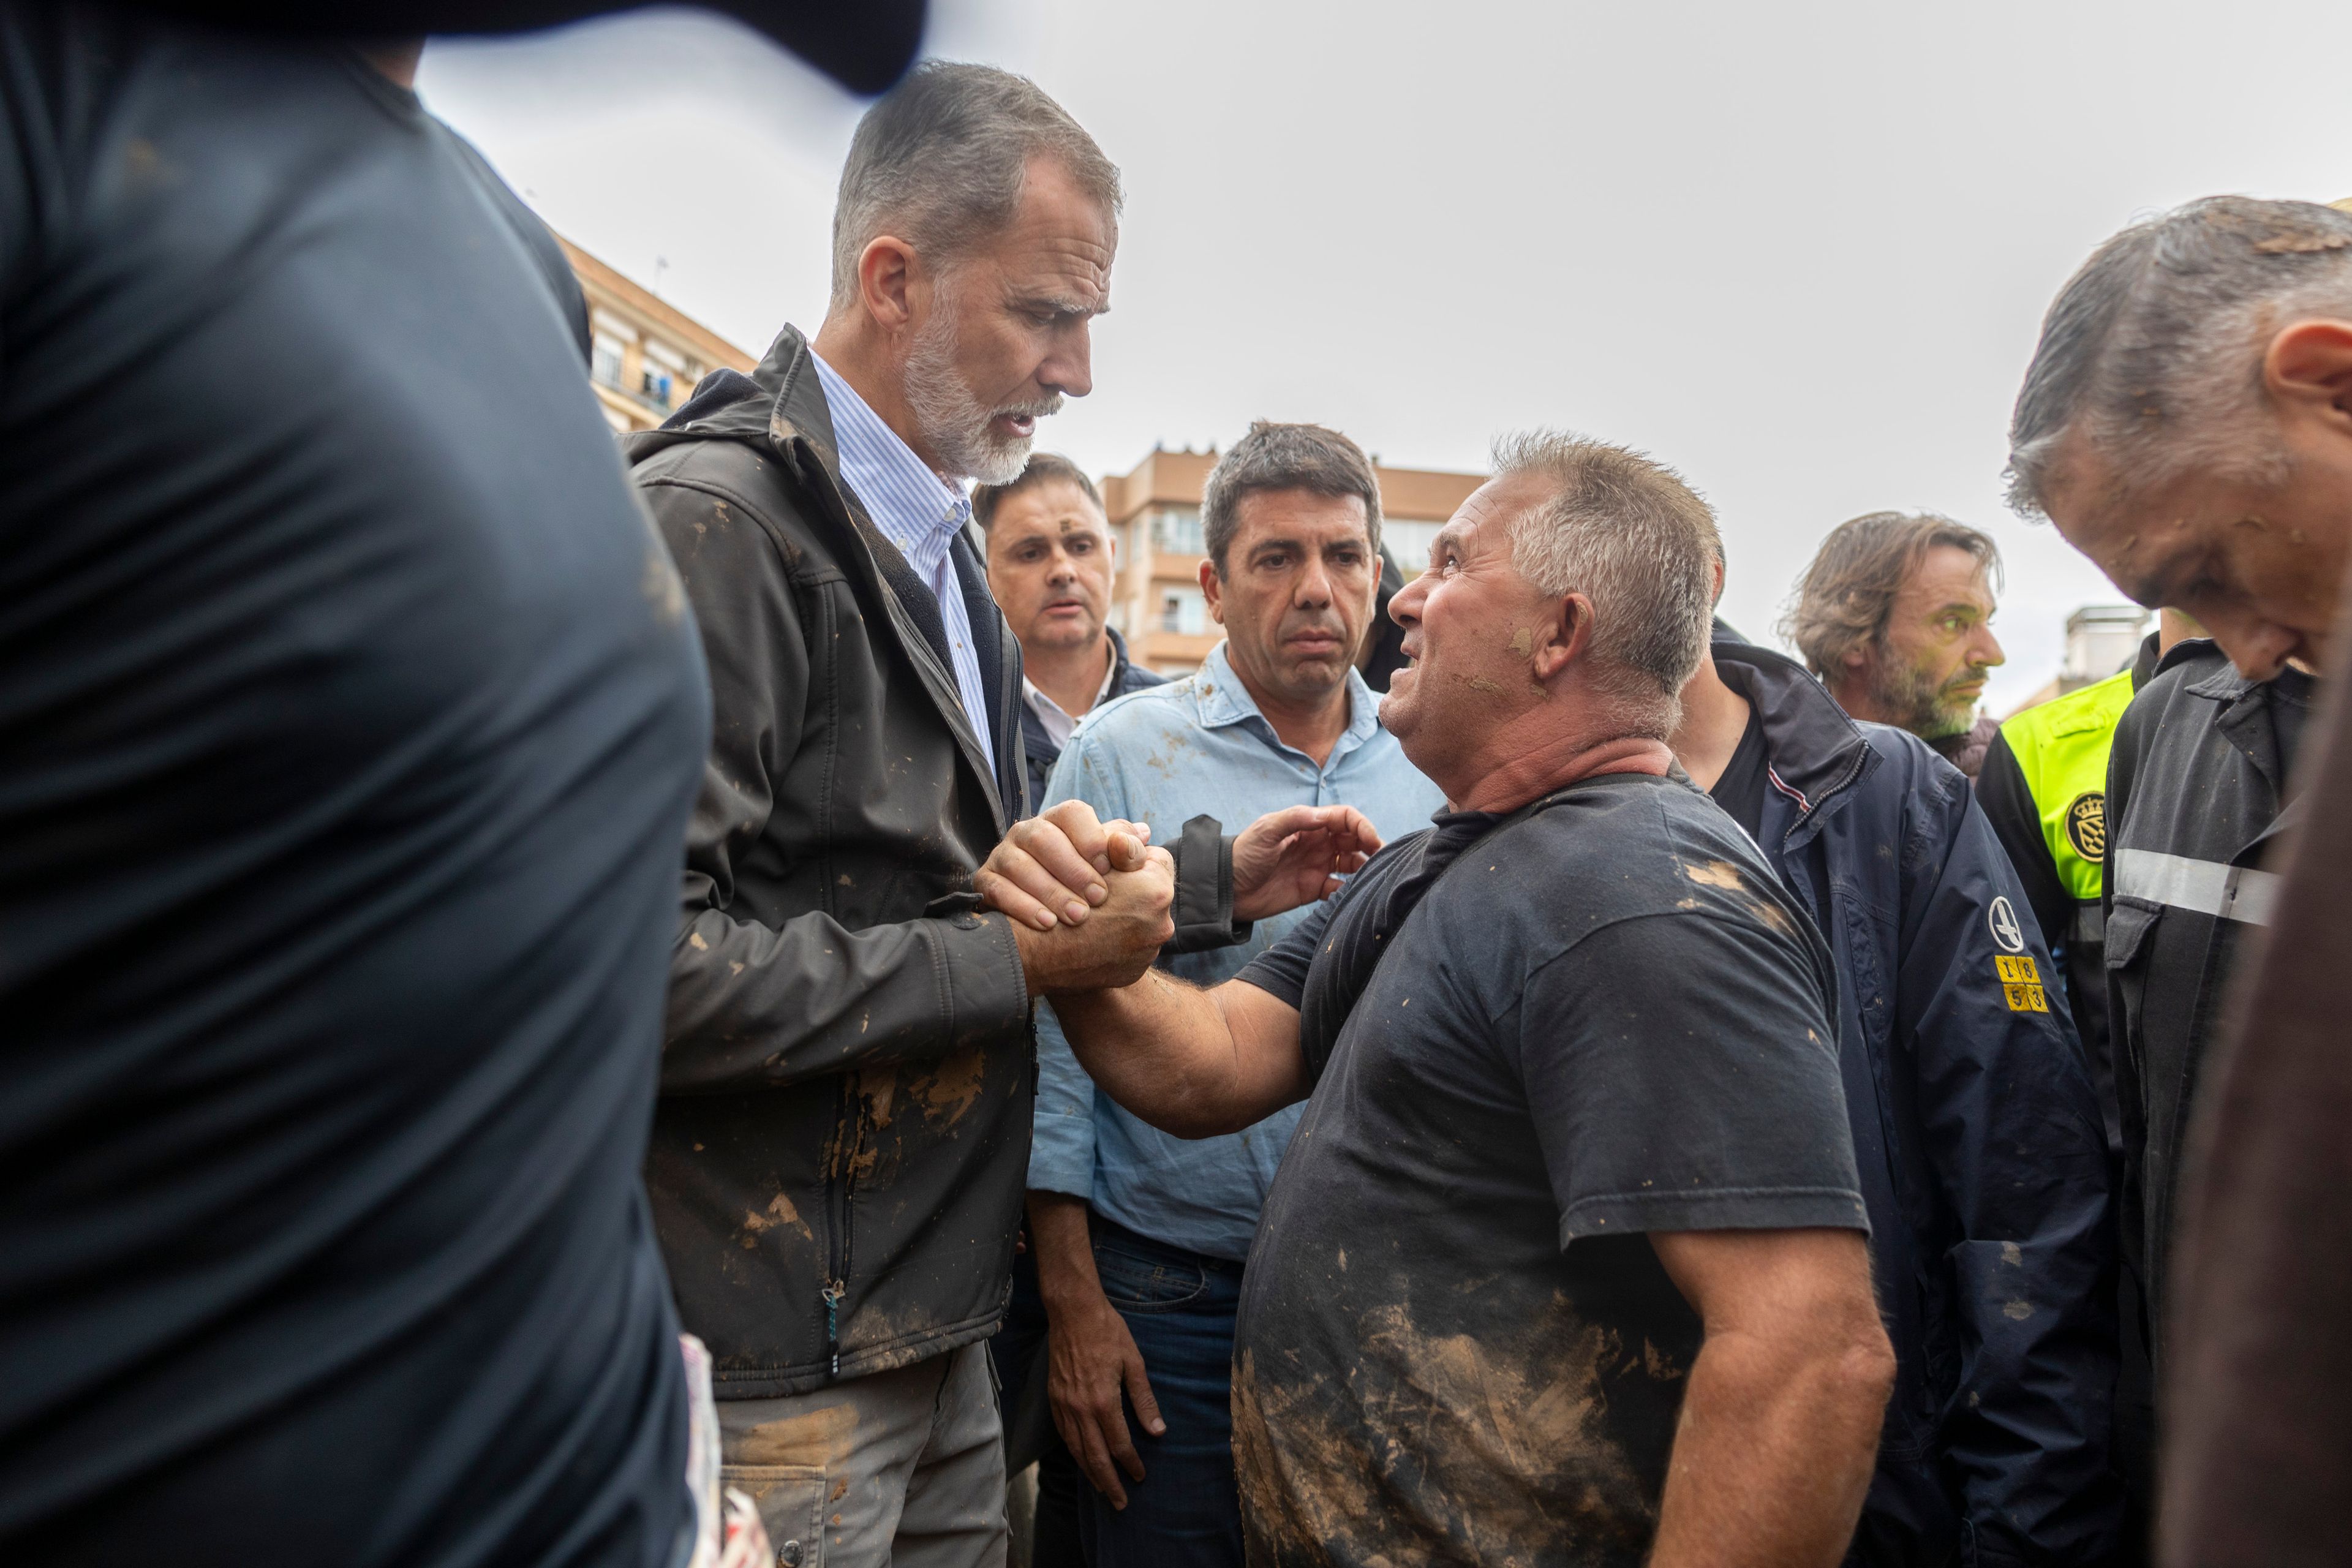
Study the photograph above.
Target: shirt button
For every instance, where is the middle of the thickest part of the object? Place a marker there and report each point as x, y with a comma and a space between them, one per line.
789, 1554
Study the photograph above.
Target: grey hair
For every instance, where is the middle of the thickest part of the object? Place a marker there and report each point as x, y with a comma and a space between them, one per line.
2154, 350
1630, 534
1285, 458
1843, 600
938, 162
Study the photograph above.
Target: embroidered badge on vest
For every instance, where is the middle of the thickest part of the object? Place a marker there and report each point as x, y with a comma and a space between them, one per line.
2086, 826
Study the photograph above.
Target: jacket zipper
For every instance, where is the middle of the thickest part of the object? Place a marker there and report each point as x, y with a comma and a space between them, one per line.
852, 1143
833, 1294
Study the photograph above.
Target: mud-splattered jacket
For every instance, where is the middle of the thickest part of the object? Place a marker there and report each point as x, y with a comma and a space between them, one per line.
1978, 1134
843, 1130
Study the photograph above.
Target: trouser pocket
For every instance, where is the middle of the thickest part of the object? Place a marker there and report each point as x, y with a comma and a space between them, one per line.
791, 1500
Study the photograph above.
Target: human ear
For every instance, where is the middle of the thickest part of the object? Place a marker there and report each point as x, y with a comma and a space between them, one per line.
1212, 589
1561, 636
2308, 368
885, 281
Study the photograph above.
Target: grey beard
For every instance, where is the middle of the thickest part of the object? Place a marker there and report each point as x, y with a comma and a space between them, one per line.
1923, 707
953, 422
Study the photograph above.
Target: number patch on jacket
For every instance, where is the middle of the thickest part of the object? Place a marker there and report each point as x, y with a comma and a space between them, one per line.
2020, 983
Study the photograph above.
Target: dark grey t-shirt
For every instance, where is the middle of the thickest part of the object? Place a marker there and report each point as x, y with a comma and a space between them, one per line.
350, 724
1608, 1020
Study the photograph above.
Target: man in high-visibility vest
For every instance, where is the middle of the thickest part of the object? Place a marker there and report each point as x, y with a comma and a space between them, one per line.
2044, 787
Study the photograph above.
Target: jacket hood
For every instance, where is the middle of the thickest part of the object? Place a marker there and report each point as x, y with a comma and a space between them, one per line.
1814, 749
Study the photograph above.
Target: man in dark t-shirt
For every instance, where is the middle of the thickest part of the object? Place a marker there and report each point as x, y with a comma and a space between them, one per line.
1565, 1264
350, 722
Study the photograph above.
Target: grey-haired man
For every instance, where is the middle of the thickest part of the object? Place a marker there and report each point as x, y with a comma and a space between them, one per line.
838, 1150
1565, 1262
2187, 424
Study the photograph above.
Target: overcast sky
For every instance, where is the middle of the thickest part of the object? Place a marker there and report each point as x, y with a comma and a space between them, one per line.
1799, 251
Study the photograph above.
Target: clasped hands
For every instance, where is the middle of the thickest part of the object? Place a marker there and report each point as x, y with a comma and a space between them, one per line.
1089, 899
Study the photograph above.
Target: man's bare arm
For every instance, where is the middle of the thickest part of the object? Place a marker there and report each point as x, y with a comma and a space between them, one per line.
1779, 1424
1191, 1062
1090, 1351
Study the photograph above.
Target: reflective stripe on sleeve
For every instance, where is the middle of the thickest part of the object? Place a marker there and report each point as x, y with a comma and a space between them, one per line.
2207, 887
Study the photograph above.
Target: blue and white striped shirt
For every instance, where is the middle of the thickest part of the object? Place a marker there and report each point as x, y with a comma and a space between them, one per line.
918, 511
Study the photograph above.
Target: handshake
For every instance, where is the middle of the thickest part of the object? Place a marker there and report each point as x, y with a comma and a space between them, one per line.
1090, 901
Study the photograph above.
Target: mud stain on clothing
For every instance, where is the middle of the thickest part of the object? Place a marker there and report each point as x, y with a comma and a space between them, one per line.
781, 1211
821, 1438
1447, 1447
1722, 874
952, 1088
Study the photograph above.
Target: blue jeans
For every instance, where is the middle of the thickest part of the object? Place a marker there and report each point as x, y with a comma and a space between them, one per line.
1186, 1512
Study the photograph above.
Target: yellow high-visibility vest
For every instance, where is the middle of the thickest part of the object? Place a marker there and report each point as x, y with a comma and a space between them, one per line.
2062, 749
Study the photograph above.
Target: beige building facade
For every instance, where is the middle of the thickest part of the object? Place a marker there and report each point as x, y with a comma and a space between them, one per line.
645, 353
1155, 516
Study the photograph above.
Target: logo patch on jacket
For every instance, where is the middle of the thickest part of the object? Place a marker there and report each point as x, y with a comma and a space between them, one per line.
2086, 826
2002, 920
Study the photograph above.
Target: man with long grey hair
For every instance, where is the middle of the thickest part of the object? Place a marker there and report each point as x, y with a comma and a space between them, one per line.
1894, 614
1565, 1262
2187, 423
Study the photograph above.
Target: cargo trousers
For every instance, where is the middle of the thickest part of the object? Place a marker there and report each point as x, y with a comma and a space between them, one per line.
897, 1469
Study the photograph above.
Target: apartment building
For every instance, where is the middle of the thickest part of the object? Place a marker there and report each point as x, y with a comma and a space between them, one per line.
1155, 516
645, 355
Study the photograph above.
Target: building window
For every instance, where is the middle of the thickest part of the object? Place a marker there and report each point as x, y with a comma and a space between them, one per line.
1409, 542
1176, 531
1183, 610
605, 362
664, 378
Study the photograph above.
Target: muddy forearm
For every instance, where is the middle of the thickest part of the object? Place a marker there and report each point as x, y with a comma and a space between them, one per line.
1190, 1062
1772, 1455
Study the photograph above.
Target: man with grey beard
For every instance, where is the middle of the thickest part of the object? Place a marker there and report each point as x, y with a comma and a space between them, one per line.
1896, 615
842, 1139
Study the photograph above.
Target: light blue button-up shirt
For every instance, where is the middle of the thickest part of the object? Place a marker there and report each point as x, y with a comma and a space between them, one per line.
1164, 755
918, 511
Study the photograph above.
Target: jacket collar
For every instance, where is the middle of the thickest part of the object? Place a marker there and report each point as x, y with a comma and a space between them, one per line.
782, 402
780, 408
1814, 750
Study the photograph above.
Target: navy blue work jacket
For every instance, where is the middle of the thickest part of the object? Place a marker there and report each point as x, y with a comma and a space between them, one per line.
1977, 1133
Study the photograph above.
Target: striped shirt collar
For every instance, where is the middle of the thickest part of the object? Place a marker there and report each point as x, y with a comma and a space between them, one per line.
915, 509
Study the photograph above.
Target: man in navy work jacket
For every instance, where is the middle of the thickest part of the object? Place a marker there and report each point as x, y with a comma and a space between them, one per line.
1976, 1127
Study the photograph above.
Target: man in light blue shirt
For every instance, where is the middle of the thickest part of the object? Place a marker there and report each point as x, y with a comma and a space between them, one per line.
1140, 1236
